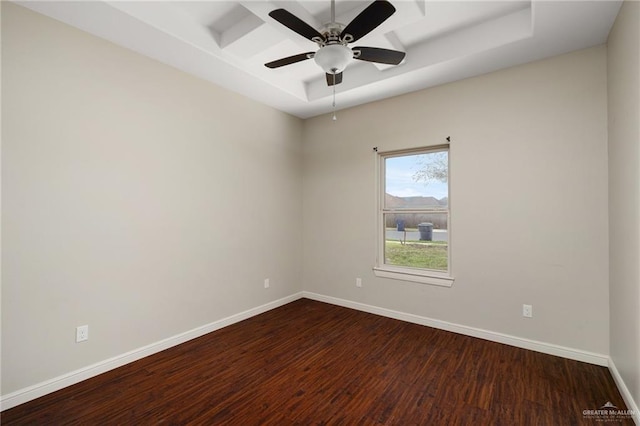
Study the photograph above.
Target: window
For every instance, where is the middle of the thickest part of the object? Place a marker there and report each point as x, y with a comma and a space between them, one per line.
413, 216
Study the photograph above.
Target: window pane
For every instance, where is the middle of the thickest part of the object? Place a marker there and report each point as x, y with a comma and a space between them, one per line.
417, 240
417, 181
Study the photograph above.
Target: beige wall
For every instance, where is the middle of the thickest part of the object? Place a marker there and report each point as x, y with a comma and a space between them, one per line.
135, 199
528, 195
624, 193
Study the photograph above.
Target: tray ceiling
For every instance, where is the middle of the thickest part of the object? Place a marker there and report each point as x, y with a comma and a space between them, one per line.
228, 42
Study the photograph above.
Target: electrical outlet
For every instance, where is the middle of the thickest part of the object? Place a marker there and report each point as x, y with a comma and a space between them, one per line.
82, 333
266, 283
358, 282
527, 311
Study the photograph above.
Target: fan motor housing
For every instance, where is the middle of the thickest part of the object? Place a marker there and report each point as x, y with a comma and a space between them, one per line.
331, 35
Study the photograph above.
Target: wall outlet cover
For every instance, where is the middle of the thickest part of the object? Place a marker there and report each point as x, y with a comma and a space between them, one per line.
82, 333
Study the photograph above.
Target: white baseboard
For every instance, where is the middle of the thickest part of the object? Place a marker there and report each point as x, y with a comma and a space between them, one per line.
624, 391
32, 392
547, 348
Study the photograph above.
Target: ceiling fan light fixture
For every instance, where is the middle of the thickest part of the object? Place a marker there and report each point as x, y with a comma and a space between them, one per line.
334, 58
333, 55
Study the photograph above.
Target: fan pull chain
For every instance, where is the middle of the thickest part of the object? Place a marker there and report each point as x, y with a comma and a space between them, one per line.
334, 118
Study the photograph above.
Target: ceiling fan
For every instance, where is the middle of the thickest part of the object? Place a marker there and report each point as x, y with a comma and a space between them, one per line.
333, 54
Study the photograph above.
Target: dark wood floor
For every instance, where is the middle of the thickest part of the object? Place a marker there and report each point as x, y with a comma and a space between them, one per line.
314, 363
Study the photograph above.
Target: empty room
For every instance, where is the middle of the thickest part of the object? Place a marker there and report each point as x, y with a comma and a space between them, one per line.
399, 212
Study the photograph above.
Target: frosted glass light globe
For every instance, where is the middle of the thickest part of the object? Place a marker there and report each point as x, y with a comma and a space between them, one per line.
333, 59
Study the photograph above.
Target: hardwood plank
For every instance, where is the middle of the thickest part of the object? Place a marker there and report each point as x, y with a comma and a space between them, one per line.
313, 363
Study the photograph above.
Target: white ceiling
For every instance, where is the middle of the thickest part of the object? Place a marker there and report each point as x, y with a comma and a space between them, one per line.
228, 42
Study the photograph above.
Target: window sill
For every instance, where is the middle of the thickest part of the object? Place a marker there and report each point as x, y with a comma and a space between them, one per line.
422, 277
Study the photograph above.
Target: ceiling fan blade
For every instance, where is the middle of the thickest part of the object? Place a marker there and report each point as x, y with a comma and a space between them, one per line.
338, 79
296, 24
375, 14
288, 60
376, 54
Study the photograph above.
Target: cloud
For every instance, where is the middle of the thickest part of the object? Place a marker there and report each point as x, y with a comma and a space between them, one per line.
405, 192
400, 189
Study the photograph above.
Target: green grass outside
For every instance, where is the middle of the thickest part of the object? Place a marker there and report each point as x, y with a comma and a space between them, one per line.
414, 254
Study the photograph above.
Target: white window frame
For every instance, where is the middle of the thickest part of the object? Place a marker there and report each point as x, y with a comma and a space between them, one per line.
418, 275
